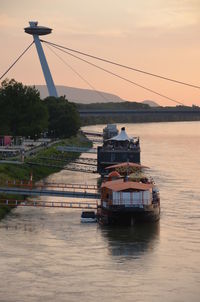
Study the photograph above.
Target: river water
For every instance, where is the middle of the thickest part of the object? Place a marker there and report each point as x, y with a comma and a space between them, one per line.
48, 255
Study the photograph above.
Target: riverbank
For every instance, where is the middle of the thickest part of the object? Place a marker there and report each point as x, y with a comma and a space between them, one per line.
117, 114
38, 167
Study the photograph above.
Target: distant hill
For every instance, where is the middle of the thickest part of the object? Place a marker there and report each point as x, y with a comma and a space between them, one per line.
151, 103
87, 96
78, 95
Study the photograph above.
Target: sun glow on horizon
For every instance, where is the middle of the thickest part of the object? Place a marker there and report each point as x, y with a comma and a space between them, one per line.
158, 36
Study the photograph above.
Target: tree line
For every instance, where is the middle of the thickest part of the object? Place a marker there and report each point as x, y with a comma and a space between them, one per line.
113, 106
23, 113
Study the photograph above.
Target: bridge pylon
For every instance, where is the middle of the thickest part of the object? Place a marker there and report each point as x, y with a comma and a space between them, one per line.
37, 31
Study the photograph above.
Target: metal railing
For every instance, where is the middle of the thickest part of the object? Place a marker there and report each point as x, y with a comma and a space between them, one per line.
48, 204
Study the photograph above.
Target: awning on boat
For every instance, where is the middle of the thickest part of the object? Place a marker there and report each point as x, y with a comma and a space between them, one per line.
114, 174
121, 137
121, 185
137, 176
127, 165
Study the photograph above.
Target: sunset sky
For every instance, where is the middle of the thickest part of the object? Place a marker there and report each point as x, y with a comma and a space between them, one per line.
159, 36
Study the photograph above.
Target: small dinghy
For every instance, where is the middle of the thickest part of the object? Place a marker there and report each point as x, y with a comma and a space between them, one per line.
88, 216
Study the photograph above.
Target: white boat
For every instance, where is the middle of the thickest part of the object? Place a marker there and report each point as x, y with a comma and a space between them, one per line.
88, 217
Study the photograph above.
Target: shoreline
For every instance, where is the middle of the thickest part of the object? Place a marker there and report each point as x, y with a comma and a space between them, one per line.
141, 118
23, 172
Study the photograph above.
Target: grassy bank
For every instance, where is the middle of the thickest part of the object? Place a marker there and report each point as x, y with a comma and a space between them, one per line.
38, 165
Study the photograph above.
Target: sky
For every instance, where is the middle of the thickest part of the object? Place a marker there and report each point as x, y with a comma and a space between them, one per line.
158, 36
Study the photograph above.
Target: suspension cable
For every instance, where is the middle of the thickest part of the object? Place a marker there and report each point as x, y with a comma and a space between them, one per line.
125, 66
77, 73
16, 60
118, 76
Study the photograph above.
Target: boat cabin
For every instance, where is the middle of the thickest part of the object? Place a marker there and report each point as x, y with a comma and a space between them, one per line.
118, 149
125, 193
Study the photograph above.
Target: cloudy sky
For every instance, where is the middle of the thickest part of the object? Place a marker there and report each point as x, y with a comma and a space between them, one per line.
159, 36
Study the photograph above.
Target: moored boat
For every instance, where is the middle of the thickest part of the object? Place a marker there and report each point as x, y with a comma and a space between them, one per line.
88, 217
128, 196
117, 149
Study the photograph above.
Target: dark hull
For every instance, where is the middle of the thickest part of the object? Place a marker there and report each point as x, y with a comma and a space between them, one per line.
128, 216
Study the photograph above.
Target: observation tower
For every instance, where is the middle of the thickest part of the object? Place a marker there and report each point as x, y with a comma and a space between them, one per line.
37, 31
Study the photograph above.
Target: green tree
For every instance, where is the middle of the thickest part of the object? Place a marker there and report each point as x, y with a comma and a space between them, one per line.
64, 119
22, 111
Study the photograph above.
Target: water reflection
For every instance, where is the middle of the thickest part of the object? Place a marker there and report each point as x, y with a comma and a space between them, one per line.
132, 241
23, 220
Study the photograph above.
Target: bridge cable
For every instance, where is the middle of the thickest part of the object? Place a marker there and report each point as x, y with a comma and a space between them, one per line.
120, 77
78, 74
125, 66
16, 60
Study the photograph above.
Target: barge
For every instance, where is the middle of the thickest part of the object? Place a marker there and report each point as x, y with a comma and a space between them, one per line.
117, 148
128, 196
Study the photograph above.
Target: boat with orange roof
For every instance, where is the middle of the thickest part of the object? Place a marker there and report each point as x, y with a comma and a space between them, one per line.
128, 196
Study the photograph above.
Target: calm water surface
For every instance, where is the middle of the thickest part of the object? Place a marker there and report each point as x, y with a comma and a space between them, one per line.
47, 255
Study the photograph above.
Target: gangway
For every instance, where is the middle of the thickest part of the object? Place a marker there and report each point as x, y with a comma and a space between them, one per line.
77, 149
70, 167
92, 133
96, 140
82, 161
49, 192
48, 204
14, 183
